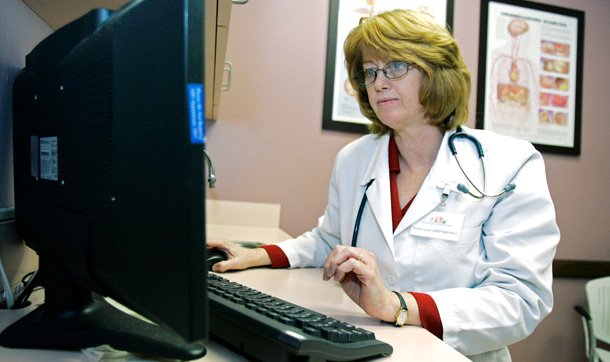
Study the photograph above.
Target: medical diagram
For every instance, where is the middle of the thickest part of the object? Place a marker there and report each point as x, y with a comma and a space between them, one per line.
513, 79
529, 86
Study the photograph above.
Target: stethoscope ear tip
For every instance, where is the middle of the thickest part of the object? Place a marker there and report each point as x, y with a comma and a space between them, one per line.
463, 188
510, 187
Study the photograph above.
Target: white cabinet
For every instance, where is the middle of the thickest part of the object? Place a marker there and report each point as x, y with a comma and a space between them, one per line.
217, 13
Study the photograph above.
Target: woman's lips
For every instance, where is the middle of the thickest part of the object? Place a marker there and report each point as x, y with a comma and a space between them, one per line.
385, 101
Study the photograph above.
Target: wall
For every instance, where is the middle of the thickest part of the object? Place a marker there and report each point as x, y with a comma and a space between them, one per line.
268, 144
20, 31
17, 38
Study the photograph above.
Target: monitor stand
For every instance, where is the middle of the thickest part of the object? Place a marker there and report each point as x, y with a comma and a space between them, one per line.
73, 318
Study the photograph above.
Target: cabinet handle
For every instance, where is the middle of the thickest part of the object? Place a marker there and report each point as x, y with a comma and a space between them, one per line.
228, 68
240, 2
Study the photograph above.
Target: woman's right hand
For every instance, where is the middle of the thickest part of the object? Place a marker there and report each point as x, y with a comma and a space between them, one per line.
238, 257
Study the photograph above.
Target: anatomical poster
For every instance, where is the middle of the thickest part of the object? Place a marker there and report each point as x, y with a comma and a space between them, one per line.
531, 85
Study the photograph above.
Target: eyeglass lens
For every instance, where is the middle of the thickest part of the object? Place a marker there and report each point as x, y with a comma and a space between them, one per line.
392, 70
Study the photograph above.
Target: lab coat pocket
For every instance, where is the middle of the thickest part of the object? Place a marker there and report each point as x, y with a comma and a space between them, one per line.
452, 251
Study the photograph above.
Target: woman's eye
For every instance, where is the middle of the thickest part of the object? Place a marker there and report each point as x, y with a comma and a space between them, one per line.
370, 72
397, 65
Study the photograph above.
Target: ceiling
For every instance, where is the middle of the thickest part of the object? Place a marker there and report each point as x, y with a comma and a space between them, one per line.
57, 13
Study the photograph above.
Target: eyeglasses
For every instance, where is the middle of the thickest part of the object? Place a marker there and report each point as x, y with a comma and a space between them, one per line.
392, 70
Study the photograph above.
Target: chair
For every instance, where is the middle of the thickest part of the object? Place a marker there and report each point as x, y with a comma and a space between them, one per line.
596, 319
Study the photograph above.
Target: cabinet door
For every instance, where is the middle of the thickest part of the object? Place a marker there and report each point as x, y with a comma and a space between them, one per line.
218, 15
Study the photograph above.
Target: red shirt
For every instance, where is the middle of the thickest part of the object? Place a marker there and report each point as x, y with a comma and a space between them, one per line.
428, 310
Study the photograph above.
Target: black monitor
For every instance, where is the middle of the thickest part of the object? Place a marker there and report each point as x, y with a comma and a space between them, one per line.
108, 135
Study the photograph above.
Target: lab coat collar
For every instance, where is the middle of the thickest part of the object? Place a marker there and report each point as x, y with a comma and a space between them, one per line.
378, 164
378, 194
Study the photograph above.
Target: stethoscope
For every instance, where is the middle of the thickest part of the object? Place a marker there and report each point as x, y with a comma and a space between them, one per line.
459, 133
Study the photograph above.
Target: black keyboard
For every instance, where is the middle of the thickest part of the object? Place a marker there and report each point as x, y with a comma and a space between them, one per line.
272, 329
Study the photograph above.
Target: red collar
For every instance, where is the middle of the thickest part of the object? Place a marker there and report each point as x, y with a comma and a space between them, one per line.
393, 155
397, 212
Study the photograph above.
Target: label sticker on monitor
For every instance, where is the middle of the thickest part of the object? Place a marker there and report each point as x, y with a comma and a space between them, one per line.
34, 155
48, 158
196, 112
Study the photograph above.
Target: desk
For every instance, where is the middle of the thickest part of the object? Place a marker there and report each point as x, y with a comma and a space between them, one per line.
304, 287
301, 286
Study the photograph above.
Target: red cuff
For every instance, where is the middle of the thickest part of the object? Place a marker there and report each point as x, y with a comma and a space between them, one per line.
428, 313
278, 258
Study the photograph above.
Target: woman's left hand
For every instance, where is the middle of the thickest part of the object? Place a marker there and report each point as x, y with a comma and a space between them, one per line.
358, 273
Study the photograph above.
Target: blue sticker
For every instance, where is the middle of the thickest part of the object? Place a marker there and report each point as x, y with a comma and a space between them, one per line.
196, 113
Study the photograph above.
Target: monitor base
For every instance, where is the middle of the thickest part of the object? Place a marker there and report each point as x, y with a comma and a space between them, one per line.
95, 323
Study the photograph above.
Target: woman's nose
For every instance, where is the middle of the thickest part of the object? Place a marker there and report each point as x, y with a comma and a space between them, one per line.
381, 80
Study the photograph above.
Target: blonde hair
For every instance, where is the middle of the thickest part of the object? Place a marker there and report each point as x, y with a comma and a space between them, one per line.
414, 37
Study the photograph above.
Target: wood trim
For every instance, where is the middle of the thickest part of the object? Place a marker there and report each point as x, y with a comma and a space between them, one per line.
564, 268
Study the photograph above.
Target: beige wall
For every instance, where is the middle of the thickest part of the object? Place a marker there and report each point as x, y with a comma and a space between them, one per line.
268, 144
20, 31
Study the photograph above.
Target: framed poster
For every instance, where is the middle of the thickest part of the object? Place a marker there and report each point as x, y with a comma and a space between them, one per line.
530, 73
341, 111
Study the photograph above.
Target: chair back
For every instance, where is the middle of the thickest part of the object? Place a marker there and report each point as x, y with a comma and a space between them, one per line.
598, 299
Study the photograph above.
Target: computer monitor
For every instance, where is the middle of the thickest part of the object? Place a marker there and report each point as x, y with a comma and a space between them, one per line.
108, 134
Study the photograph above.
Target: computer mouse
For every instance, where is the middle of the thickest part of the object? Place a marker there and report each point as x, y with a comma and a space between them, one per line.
215, 256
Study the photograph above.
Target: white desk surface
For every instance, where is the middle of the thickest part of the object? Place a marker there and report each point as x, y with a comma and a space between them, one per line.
304, 287
301, 286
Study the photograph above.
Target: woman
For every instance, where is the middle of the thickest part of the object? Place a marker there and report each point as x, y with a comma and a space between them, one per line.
475, 271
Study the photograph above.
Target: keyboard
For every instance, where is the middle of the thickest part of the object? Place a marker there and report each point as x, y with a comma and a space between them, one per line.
272, 329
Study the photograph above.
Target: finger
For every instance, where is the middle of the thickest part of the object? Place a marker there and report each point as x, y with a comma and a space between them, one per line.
366, 257
218, 268
351, 265
232, 263
219, 243
360, 258
329, 267
238, 258
221, 266
337, 256
365, 270
344, 269
350, 254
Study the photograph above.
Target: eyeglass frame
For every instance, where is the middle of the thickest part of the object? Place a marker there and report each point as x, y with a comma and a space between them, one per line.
385, 72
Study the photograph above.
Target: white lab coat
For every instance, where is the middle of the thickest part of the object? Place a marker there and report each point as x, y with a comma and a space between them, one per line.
492, 286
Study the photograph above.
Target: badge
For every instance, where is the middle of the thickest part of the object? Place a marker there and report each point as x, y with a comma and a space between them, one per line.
440, 225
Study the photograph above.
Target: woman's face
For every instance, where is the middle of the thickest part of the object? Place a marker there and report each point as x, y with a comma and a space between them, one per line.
395, 101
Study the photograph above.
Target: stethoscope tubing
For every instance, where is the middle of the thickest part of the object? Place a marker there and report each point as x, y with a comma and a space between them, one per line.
461, 187
359, 215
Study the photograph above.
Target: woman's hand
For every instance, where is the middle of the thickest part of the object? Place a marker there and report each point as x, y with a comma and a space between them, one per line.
238, 257
358, 273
